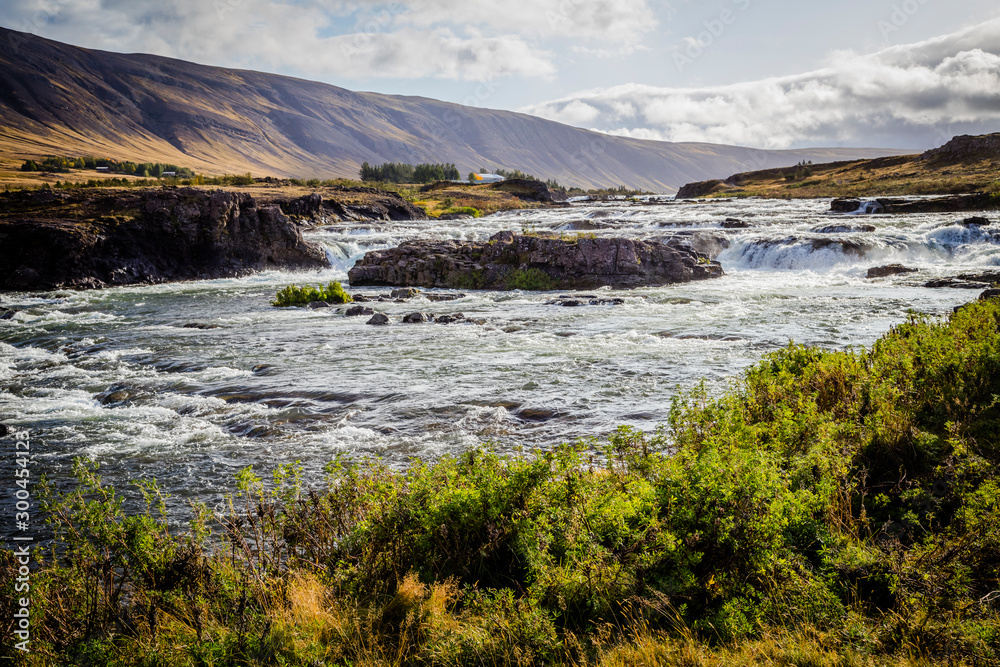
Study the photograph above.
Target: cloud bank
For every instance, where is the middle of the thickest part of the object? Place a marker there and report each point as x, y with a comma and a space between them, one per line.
448, 39
910, 96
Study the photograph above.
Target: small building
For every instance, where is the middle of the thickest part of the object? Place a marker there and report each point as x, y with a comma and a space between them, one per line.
168, 173
482, 179
102, 169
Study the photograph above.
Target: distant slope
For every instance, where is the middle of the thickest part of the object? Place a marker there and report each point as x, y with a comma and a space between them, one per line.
66, 100
963, 165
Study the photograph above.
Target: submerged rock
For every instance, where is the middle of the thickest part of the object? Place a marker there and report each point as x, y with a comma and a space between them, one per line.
976, 220
540, 262
415, 318
843, 229
734, 223
356, 311
956, 283
584, 300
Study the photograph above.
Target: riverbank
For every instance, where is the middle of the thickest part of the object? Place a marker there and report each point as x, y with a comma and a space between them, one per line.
963, 165
85, 237
830, 508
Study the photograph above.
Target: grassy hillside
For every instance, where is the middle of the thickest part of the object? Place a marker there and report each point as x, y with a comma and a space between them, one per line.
64, 100
963, 165
833, 508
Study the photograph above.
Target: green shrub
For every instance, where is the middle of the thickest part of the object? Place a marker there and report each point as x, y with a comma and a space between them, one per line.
466, 210
531, 279
303, 296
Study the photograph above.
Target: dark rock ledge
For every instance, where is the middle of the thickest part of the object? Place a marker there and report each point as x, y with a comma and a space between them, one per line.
146, 236
533, 261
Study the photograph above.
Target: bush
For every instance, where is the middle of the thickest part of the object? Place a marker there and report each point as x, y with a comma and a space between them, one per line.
531, 279
467, 210
303, 296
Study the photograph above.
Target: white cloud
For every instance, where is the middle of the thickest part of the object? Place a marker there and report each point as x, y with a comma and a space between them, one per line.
922, 92
610, 21
452, 39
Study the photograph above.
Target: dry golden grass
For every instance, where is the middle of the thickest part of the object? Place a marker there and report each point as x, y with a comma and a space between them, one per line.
906, 175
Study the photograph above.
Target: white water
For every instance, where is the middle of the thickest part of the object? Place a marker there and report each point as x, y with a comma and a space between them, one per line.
115, 376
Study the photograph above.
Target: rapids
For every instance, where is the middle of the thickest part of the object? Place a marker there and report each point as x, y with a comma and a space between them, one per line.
115, 374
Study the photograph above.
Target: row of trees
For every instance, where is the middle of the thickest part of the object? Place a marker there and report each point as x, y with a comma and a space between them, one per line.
400, 172
143, 169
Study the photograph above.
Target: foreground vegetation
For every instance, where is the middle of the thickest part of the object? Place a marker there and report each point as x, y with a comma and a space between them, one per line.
832, 508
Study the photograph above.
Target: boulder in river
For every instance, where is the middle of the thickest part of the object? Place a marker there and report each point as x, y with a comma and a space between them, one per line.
378, 319
843, 229
415, 318
533, 261
991, 293
889, 270
976, 220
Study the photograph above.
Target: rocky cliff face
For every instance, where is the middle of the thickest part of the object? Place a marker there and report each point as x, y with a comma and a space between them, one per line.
510, 261
79, 239
966, 148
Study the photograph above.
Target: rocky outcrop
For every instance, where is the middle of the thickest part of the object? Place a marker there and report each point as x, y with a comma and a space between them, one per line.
80, 240
353, 204
944, 204
511, 261
699, 189
965, 148
529, 190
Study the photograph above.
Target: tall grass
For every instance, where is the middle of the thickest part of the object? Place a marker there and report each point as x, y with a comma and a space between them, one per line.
832, 508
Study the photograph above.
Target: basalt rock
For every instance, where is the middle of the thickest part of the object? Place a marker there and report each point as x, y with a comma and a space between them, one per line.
511, 261
843, 229
889, 270
698, 189
944, 204
147, 236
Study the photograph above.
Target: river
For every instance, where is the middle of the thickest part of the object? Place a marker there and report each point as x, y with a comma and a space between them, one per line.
191, 382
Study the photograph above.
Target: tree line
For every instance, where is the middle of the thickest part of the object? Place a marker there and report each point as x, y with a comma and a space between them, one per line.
400, 172
63, 165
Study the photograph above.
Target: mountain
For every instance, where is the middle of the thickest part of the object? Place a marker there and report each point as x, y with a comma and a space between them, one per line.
57, 99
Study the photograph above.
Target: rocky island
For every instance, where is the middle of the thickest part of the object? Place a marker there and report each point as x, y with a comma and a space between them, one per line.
533, 261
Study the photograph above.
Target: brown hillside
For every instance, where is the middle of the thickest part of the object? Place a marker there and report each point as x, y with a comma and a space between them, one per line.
57, 99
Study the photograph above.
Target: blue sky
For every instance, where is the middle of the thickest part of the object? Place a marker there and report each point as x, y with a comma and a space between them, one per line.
765, 73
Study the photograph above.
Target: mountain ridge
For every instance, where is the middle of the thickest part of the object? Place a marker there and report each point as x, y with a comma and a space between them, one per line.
66, 100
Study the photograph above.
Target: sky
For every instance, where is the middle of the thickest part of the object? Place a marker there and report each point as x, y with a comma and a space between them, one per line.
763, 73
